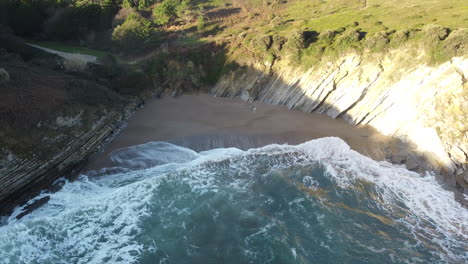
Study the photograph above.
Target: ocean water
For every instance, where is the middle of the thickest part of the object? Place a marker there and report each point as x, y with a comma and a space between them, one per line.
317, 202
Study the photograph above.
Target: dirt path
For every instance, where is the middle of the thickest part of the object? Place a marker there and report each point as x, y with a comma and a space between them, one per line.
75, 57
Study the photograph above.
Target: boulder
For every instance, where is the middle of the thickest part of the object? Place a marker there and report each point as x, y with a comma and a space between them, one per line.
4, 76
412, 164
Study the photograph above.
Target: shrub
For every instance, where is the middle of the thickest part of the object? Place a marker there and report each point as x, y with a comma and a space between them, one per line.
378, 41
262, 42
434, 33
24, 17
456, 44
164, 12
73, 23
169, 10
142, 4
433, 37
270, 58
135, 34
294, 45
278, 42
121, 16
400, 37
350, 39
327, 37
201, 23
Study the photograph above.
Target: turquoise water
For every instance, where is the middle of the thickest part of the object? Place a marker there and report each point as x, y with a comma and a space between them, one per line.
318, 202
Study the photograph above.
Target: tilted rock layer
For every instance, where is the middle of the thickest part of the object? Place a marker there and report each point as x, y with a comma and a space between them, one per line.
71, 143
397, 93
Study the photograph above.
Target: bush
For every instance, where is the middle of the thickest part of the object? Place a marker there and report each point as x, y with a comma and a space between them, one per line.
200, 23
433, 43
327, 37
121, 16
294, 45
135, 34
278, 42
24, 17
456, 44
74, 23
169, 10
400, 37
164, 12
350, 39
378, 42
434, 33
262, 42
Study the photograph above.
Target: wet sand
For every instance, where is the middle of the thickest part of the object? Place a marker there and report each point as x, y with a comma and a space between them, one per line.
202, 122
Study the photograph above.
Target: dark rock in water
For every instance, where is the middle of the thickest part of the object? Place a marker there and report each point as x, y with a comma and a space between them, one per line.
398, 158
4, 76
412, 165
31, 207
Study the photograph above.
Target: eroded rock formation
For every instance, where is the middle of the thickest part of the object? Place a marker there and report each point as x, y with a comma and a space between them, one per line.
397, 93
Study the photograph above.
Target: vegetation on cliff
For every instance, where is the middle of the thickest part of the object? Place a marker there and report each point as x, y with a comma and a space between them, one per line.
301, 31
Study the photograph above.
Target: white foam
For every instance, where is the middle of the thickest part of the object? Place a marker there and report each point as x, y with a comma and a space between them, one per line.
97, 219
151, 154
84, 219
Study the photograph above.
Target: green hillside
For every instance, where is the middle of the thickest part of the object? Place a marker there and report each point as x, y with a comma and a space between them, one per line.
303, 31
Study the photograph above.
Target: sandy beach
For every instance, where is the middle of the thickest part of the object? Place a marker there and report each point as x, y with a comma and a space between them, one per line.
202, 122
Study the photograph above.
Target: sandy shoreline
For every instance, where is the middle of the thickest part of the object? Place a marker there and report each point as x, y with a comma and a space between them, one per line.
203, 122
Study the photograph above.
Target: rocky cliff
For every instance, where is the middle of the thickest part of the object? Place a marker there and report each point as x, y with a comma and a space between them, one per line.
396, 92
23, 177
51, 122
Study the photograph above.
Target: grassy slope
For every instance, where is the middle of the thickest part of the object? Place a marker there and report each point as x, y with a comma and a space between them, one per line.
281, 17
227, 19
392, 14
377, 15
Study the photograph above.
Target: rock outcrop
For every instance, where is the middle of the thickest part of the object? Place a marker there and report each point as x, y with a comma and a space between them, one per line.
4, 76
397, 93
51, 122
23, 177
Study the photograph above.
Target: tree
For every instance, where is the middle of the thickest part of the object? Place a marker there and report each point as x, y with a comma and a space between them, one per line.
135, 34
142, 4
169, 10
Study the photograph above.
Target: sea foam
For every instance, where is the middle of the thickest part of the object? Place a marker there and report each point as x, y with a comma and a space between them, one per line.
100, 219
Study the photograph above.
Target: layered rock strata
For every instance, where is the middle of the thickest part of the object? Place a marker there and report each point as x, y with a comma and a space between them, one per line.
397, 93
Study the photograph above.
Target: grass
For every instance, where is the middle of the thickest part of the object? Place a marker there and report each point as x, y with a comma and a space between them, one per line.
70, 49
378, 14
381, 25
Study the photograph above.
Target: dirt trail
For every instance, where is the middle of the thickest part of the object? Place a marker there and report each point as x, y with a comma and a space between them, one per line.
75, 57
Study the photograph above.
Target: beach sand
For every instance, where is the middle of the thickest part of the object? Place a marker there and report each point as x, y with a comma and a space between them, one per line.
202, 122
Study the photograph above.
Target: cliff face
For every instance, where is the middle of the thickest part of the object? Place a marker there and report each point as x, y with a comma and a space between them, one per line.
51, 122
23, 177
397, 93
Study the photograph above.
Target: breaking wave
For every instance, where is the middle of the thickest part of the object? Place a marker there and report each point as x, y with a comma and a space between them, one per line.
317, 202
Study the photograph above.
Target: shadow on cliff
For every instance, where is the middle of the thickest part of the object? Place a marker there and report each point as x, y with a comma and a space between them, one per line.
259, 85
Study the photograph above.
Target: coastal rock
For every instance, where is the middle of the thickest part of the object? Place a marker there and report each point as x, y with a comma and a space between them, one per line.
4, 76
398, 159
400, 97
21, 178
33, 206
412, 165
